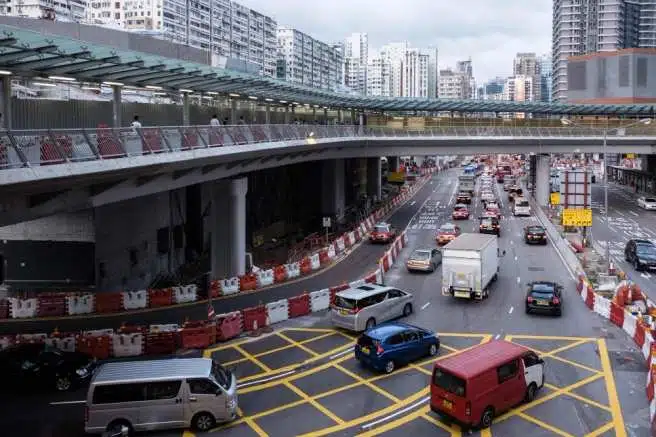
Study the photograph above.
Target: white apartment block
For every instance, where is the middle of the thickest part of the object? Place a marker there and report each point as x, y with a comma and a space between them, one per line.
356, 57
307, 61
394, 54
60, 10
519, 89
379, 77
529, 65
138, 15
415, 74
453, 85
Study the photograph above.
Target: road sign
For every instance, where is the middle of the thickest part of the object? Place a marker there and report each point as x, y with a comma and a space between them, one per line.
397, 177
555, 198
326, 222
577, 217
575, 189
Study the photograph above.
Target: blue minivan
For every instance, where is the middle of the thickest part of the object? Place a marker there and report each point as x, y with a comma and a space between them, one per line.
388, 346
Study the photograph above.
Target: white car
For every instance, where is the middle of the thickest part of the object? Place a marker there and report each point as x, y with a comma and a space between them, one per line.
487, 196
647, 202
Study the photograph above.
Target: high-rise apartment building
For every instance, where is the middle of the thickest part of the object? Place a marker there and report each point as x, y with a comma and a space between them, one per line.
519, 88
528, 65
225, 28
356, 57
307, 61
69, 10
379, 77
493, 89
454, 85
415, 74
400, 71
589, 26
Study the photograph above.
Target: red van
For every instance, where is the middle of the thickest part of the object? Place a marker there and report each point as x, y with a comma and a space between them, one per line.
474, 386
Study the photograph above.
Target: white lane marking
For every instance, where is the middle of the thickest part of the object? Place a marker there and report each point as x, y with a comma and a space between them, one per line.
510, 311
414, 216
68, 403
413, 202
515, 258
498, 336
634, 213
271, 378
339, 354
397, 413
519, 279
424, 306
619, 212
512, 243
645, 275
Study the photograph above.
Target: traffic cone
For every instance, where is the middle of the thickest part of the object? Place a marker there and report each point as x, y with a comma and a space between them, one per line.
267, 328
255, 332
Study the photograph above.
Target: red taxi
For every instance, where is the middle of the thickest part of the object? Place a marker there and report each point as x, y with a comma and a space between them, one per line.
492, 209
382, 233
460, 212
447, 233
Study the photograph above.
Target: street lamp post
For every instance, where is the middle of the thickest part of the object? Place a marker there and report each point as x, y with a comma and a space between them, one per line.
607, 131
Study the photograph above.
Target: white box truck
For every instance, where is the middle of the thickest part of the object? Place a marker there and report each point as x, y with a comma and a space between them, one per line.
467, 182
469, 264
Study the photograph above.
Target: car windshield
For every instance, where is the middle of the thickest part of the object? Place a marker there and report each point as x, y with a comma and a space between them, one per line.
448, 382
420, 255
222, 375
448, 229
646, 249
535, 230
345, 302
650, 200
381, 228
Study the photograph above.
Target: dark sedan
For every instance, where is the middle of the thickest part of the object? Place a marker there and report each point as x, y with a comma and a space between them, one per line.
535, 235
43, 367
544, 297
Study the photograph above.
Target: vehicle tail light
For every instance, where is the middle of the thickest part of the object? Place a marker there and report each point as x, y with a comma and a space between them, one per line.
468, 409
529, 299
555, 301
379, 349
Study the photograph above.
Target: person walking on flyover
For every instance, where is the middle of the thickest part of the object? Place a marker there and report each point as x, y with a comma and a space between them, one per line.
214, 122
136, 124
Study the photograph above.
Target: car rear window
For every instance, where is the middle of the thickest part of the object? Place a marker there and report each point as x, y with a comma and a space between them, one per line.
536, 230
539, 294
650, 200
366, 341
449, 382
345, 302
381, 229
422, 255
523, 203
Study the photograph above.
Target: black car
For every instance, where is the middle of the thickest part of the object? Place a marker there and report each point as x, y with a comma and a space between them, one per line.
45, 367
464, 198
535, 234
640, 253
544, 297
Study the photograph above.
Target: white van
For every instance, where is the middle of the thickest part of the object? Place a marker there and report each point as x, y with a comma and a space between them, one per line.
160, 394
521, 207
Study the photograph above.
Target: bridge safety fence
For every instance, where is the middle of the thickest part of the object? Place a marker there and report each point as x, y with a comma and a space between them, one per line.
30, 148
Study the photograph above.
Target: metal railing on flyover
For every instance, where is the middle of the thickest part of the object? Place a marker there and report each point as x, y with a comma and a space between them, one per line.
29, 148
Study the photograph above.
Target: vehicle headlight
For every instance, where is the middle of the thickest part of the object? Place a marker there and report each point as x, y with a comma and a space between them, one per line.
82, 372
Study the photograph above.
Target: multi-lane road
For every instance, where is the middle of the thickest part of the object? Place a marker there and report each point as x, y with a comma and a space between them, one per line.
302, 379
623, 221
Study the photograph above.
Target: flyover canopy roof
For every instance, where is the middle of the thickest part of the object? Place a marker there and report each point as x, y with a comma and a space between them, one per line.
32, 53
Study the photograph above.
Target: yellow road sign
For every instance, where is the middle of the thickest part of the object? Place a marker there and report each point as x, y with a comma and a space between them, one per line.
555, 199
577, 217
396, 177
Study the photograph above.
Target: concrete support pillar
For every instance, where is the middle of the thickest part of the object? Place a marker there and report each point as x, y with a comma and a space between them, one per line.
229, 228
6, 103
361, 119
314, 114
374, 178
393, 163
185, 110
352, 116
339, 116
288, 118
117, 107
333, 180
325, 115
233, 112
267, 114
542, 180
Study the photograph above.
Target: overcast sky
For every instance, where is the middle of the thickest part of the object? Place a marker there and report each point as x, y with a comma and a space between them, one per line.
491, 32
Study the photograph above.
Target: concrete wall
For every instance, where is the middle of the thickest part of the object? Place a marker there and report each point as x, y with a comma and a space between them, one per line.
620, 77
126, 240
76, 226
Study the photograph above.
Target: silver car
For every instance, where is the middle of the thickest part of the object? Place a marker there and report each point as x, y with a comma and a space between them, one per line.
160, 394
424, 260
361, 308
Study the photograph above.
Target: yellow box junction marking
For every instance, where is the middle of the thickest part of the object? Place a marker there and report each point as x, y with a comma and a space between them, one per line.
422, 412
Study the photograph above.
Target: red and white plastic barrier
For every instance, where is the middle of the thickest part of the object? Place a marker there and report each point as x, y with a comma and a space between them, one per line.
265, 278
134, 300
229, 286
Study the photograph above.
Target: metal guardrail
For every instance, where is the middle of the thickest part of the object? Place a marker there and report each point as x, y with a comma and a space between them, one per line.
29, 148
